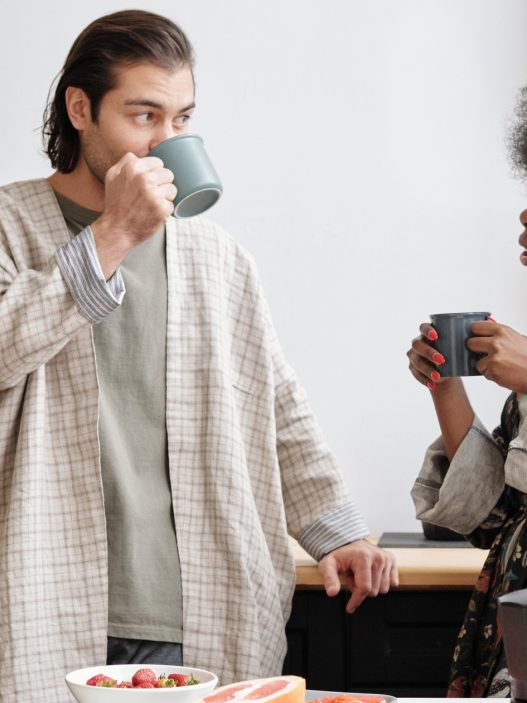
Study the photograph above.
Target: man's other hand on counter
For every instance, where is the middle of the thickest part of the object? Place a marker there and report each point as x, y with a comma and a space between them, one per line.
368, 570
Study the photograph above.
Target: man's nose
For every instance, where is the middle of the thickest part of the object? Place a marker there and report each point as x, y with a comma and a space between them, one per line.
523, 218
163, 132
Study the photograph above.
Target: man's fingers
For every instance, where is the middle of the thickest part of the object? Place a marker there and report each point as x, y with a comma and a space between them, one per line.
384, 582
367, 569
362, 577
357, 596
390, 574
168, 191
152, 163
130, 164
330, 576
394, 573
161, 176
372, 579
377, 570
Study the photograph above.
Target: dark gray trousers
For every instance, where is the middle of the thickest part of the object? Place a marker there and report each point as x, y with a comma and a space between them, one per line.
125, 651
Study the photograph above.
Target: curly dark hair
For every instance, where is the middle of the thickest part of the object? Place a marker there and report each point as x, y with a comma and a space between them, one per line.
517, 136
121, 38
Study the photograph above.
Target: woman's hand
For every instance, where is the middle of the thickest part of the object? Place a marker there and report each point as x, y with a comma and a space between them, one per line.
505, 360
425, 361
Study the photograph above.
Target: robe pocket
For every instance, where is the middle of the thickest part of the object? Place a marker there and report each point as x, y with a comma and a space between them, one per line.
248, 385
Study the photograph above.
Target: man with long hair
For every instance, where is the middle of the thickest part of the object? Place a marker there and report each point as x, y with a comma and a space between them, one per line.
156, 448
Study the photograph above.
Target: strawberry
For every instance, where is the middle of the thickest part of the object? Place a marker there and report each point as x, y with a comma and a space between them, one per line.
180, 679
144, 675
145, 684
125, 684
101, 680
164, 682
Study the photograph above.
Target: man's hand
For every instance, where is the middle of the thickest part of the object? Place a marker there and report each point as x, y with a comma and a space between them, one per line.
505, 360
138, 195
369, 571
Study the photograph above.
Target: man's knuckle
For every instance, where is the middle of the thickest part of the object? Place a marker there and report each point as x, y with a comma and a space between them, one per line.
379, 558
144, 178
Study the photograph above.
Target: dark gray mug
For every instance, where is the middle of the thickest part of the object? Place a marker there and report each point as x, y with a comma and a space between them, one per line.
198, 185
453, 329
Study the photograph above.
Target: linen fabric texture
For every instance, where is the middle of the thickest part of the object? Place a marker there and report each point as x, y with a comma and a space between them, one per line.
482, 494
248, 462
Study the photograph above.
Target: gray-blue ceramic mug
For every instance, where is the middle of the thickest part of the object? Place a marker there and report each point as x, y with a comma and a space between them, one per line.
198, 185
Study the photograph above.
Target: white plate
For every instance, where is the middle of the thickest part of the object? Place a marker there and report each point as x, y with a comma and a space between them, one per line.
311, 695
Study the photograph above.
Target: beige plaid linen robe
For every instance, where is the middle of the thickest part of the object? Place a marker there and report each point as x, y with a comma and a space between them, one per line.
247, 461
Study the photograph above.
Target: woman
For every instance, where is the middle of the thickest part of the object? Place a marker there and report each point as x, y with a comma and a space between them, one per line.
476, 484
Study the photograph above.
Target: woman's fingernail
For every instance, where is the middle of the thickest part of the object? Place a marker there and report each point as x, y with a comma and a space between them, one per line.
438, 358
431, 386
435, 376
432, 335
489, 317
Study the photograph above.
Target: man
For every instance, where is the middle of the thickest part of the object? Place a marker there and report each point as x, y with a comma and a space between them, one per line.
156, 449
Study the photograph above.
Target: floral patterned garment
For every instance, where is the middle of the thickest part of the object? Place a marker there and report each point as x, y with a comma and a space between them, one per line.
479, 668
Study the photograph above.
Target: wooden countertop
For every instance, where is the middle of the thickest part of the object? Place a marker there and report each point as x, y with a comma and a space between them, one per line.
419, 568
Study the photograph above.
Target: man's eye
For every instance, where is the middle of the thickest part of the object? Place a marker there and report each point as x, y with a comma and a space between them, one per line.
182, 120
145, 117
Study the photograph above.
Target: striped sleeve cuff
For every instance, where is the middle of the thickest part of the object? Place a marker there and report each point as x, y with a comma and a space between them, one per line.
79, 264
341, 526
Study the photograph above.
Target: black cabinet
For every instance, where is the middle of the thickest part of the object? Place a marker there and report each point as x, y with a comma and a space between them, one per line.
400, 643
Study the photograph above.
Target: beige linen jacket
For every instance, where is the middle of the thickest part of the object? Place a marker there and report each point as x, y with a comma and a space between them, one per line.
247, 461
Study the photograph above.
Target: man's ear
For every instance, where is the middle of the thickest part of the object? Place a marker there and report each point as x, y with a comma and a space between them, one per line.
78, 107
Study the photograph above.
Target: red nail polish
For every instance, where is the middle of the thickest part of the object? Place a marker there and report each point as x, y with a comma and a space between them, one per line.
438, 358
435, 376
431, 386
433, 335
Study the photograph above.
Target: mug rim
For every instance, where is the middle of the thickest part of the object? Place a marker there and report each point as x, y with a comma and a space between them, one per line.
459, 314
190, 135
206, 189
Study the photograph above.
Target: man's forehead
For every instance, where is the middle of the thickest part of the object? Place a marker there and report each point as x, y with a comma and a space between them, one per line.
144, 78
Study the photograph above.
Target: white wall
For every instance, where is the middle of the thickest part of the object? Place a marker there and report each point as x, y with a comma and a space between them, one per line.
362, 148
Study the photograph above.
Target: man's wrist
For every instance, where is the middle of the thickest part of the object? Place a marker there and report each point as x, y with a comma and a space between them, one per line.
111, 243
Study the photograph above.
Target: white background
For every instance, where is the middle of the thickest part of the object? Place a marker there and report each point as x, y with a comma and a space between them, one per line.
362, 146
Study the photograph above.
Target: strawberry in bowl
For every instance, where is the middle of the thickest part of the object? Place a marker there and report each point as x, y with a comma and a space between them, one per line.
141, 683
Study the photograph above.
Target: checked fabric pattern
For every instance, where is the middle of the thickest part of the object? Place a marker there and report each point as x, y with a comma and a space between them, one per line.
248, 463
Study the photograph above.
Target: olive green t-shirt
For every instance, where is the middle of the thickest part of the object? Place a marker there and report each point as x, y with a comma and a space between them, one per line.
130, 346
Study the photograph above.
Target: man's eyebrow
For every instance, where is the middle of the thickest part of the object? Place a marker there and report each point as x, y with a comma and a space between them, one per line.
146, 102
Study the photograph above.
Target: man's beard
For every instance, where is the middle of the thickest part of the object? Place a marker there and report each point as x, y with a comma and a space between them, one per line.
96, 170
96, 163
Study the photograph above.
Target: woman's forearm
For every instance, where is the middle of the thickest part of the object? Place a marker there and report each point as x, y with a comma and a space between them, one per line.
454, 413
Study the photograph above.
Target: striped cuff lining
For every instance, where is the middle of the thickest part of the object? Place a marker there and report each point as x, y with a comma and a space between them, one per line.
341, 526
79, 264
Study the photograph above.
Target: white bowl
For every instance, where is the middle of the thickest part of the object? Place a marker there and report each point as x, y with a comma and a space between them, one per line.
76, 682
